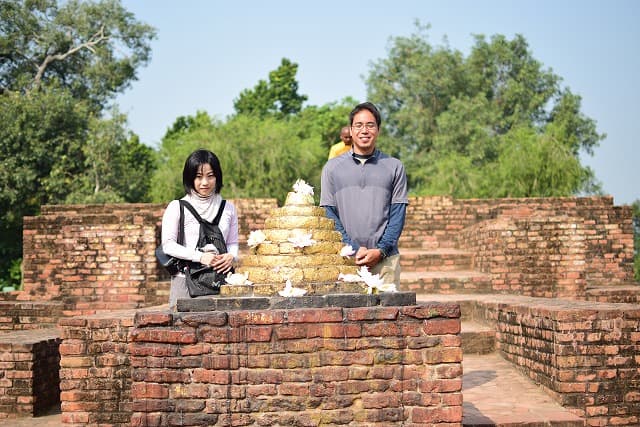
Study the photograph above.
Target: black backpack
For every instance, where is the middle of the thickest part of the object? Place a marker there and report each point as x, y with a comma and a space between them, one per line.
201, 279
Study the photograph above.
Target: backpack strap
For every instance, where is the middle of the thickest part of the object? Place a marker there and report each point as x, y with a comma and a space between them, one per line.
216, 220
180, 240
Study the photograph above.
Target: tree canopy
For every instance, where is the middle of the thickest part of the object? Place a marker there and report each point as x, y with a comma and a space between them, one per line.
277, 97
61, 64
492, 124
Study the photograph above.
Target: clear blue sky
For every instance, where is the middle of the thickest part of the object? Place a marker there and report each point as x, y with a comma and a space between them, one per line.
208, 51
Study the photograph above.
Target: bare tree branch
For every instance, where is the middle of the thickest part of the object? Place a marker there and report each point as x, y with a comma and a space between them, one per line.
95, 40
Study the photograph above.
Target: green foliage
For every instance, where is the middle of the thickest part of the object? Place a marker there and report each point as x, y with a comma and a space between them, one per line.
259, 158
117, 168
493, 124
40, 156
62, 63
325, 122
91, 48
278, 97
13, 276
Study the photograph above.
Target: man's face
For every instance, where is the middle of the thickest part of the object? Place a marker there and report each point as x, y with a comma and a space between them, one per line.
364, 132
345, 136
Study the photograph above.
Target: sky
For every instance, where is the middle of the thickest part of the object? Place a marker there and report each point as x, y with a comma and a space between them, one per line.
209, 51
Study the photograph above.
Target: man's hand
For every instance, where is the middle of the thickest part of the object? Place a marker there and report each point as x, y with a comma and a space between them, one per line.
368, 257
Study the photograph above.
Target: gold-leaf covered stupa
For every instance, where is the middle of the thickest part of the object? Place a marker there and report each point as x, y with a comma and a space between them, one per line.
300, 245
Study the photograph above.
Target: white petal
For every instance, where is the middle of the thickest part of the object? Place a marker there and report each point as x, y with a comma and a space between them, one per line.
347, 251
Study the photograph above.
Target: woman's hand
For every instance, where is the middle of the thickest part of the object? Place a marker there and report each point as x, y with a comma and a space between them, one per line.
207, 258
222, 263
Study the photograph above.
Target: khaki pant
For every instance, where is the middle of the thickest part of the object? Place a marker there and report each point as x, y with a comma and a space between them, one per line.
388, 269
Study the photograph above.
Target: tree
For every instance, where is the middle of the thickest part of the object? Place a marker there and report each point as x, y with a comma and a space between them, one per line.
279, 96
259, 157
118, 166
60, 66
39, 154
493, 124
93, 49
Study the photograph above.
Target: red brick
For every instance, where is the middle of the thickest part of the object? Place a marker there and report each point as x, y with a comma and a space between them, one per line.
441, 326
268, 317
315, 315
173, 336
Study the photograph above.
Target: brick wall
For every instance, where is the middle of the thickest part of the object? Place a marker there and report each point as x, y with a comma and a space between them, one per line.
23, 315
28, 372
365, 366
95, 370
101, 257
551, 247
584, 353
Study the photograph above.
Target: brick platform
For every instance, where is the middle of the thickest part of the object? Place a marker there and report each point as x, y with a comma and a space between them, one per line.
358, 366
29, 379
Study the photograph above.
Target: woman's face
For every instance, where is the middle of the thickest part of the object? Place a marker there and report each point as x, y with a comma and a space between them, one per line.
205, 182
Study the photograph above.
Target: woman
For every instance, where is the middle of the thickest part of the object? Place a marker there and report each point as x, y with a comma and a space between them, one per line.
202, 181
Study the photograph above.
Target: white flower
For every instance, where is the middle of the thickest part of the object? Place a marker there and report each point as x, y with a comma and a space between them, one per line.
350, 278
387, 287
302, 187
256, 237
290, 291
301, 240
347, 251
374, 282
238, 279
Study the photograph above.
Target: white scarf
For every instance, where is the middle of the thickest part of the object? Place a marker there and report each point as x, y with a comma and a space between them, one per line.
207, 207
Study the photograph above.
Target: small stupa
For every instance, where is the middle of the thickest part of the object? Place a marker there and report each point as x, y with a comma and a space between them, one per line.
299, 249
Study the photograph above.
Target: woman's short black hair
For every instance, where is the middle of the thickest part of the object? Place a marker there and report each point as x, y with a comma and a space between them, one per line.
193, 164
366, 106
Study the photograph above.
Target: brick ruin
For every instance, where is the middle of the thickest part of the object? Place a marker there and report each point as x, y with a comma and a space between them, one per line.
553, 277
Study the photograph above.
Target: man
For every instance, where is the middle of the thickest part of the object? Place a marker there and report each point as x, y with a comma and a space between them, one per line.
365, 193
343, 146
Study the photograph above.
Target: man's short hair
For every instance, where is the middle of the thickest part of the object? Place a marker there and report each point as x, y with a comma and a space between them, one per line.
369, 106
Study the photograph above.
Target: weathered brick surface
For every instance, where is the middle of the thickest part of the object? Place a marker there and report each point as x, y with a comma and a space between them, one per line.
584, 353
544, 247
24, 315
101, 257
341, 366
95, 369
29, 377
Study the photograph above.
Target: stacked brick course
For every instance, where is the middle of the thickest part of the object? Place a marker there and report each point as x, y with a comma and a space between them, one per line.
335, 366
585, 354
29, 379
24, 315
347, 366
95, 371
101, 257
547, 247
80, 260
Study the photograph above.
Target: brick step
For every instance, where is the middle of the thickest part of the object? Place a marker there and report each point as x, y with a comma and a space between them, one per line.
441, 259
627, 292
422, 241
445, 282
497, 394
29, 372
477, 338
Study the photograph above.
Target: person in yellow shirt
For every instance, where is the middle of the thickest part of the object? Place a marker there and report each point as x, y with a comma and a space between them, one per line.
344, 145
